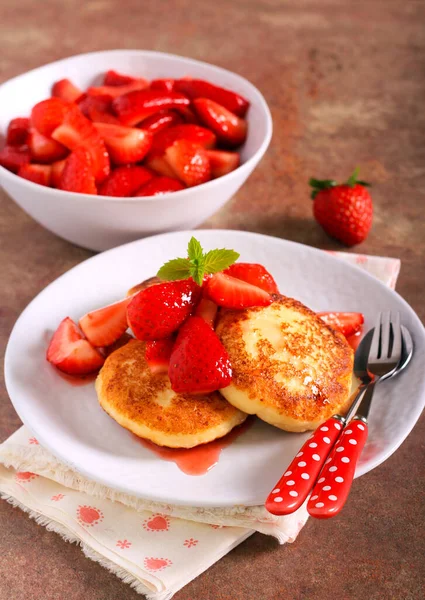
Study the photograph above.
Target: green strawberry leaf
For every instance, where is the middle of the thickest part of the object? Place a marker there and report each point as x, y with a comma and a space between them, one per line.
178, 268
218, 260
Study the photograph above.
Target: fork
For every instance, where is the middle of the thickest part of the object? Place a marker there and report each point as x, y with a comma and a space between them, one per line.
332, 488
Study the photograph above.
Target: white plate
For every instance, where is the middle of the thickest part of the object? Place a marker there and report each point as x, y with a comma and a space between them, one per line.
69, 422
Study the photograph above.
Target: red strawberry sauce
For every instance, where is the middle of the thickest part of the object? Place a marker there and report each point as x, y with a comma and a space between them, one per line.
198, 460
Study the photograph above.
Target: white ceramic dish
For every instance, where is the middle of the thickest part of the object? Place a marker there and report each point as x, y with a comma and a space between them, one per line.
68, 420
102, 222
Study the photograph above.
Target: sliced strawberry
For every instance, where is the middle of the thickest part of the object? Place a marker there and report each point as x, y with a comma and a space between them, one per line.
196, 88
157, 311
229, 128
100, 103
49, 114
99, 116
161, 120
193, 133
160, 185
45, 150
40, 174
114, 91
104, 326
160, 165
230, 292
77, 174
189, 161
162, 85
17, 131
188, 115
65, 89
114, 78
125, 181
207, 309
136, 106
199, 363
77, 131
255, 274
56, 173
158, 354
223, 162
125, 144
71, 353
13, 157
348, 323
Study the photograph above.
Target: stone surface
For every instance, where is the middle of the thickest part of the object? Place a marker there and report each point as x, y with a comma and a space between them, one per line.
345, 83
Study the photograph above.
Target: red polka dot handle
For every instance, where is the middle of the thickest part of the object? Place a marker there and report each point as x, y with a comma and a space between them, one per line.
296, 483
332, 488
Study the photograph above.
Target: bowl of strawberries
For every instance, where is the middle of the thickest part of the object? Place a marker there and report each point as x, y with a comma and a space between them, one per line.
108, 147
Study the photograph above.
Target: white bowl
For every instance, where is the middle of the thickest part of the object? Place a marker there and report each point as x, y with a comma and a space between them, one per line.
102, 222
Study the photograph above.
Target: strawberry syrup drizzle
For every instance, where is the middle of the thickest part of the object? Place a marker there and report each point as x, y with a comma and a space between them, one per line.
198, 460
77, 380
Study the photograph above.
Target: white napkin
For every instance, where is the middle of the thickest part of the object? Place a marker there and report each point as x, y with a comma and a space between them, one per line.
156, 548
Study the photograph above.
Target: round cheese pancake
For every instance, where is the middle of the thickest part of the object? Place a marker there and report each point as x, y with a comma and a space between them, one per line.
145, 404
289, 368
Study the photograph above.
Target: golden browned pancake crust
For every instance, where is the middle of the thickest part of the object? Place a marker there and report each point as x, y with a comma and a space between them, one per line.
289, 368
145, 404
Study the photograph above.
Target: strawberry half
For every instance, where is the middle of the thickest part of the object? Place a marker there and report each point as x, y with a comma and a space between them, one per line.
76, 131
65, 89
114, 91
125, 144
49, 114
199, 363
17, 131
192, 133
44, 149
189, 161
40, 174
163, 85
348, 323
229, 128
160, 165
255, 274
207, 310
125, 181
56, 173
136, 106
158, 311
77, 174
71, 353
104, 326
114, 78
161, 120
158, 354
13, 157
101, 104
223, 162
160, 185
197, 88
230, 292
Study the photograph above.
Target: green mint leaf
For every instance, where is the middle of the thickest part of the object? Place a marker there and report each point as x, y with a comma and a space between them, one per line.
194, 250
197, 271
178, 268
218, 260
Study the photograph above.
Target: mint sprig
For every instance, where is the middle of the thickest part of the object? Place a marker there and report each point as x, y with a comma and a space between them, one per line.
198, 263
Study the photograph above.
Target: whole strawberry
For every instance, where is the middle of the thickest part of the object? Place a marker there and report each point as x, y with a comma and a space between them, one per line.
343, 210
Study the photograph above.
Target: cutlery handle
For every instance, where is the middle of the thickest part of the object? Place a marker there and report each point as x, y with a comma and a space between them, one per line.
295, 484
332, 489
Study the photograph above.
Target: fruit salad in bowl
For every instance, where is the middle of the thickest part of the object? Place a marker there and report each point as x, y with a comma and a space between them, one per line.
187, 355
118, 143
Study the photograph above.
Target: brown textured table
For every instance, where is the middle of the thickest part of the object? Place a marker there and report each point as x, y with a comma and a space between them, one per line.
346, 83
